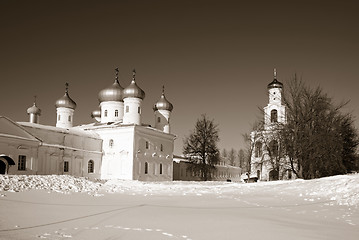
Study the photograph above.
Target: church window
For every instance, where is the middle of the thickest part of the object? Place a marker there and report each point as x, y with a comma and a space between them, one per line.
90, 166
59, 117
146, 167
258, 149
273, 148
139, 110
147, 145
105, 113
116, 113
69, 118
161, 147
158, 119
160, 168
66, 166
110, 143
21, 165
274, 116
127, 109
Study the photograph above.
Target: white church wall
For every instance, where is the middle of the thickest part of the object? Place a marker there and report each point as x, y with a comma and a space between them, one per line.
153, 155
117, 160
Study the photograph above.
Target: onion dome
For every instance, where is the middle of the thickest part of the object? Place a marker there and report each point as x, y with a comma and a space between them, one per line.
275, 83
133, 91
65, 101
96, 113
163, 103
34, 109
113, 92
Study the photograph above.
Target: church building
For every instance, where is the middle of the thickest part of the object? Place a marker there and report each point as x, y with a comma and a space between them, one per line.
267, 160
117, 145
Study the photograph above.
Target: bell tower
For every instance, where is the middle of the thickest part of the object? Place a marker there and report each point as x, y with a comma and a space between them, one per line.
274, 112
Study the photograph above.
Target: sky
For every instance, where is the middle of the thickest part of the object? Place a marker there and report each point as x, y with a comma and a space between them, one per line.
213, 57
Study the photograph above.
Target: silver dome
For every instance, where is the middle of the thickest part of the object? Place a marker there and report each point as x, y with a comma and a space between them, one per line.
163, 103
65, 101
34, 110
133, 90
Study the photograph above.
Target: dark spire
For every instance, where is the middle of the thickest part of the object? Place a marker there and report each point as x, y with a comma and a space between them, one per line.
116, 73
134, 75
275, 73
66, 88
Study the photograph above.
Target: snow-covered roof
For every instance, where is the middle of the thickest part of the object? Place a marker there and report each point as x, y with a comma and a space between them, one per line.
73, 131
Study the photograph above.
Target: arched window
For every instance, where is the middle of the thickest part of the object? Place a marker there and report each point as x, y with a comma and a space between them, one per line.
158, 119
58, 119
147, 145
105, 113
273, 148
110, 143
127, 108
139, 110
258, 149
116, 113
146, 167
161, 168
90, 166
69, 118
161, 147
274, 116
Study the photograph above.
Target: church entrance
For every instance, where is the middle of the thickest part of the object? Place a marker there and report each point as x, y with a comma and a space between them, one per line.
5, 162
273, 175
2, 167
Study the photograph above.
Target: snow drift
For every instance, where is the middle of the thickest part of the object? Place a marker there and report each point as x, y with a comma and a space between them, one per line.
342, 189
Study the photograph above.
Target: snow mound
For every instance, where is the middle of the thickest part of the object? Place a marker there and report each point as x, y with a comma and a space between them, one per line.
56, 183
342, 189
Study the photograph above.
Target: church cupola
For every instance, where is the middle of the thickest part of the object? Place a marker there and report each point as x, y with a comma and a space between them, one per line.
96, 114
111, 102
163, 109
65, 108
275, 90
275, 110
133, 96
275, 83
34, 113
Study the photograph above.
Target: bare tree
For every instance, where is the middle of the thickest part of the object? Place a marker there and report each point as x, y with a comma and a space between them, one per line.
201, 147
241, 159
224, 156
232, 157
314, 136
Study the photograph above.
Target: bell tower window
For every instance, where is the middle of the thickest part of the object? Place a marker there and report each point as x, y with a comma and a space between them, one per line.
116, 113
274, 116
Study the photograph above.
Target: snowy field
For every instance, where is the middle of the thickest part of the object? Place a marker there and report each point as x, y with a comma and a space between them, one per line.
65, 207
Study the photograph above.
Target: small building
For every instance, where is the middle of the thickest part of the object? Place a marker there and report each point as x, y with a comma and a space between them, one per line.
223, 172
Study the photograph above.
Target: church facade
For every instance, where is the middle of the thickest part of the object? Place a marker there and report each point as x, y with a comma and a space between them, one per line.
267, 160
117, 145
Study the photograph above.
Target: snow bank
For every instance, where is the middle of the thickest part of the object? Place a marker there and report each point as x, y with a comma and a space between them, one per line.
57, 183
343, 189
